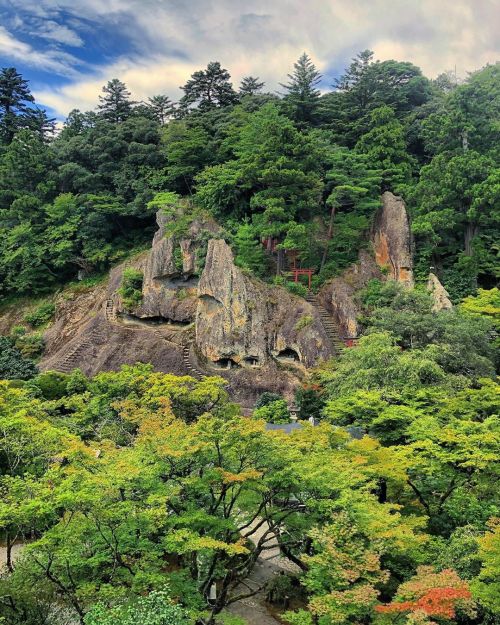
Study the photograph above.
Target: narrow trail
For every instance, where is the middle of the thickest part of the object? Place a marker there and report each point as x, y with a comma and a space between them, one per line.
271, 563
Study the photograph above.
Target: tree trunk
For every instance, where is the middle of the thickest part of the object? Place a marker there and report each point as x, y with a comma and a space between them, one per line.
328, 238
471, 231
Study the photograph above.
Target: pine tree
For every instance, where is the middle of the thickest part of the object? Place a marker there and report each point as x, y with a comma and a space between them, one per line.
115, 105
302, 97
209, 89
355, 72
249, 252
162, 108
250, 86
15, 97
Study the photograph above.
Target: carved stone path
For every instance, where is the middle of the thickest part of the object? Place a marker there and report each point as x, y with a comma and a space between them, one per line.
329, 324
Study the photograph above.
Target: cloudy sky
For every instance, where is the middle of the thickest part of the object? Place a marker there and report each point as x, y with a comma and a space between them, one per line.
69, 48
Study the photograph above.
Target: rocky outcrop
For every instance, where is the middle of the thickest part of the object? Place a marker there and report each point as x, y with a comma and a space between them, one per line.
242, 321
85, 336
391, 259
440, 296
391, 239
170, 274
339, 295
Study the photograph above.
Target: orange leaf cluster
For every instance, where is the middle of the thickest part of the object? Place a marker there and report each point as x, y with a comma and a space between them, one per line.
435, 602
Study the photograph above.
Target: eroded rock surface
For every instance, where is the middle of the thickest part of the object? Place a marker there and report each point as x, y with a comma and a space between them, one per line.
439, 294
246, 321
391, 238
170, 273
338, 296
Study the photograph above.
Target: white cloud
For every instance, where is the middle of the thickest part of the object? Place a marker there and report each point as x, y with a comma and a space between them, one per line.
50, 60
264, 38
57, 32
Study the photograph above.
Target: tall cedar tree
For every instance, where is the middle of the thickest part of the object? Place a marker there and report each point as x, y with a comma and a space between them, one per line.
15, 97
162, 108
115, 105
208, 89
250, 86
302, 98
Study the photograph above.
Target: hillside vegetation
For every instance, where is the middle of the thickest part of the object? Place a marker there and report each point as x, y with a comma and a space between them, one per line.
135, 496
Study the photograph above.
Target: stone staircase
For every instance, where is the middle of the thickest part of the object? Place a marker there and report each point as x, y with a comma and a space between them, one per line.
72, 359
110, 311
329, 324
192, 369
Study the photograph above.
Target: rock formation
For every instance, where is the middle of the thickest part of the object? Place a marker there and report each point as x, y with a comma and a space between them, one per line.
440, 296
338, 295
391, 238
258, 337
391, 242
170, 282
247, 322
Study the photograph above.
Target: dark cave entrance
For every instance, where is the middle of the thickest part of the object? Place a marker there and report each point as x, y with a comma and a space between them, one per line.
288, 355
226, 363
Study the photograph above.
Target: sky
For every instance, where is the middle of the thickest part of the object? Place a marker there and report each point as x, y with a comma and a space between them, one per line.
68, 49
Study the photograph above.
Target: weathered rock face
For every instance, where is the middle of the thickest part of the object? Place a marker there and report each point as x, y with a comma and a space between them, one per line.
247, 322
391, 238
339, 295
439, 294
85, 336
391, 241
170, 280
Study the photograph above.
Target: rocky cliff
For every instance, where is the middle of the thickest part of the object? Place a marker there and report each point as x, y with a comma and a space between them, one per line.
390, 240
257, 336
248, 323
200, 314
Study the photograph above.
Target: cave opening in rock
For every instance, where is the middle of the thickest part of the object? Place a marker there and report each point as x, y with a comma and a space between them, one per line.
155, 321
288, 355
226, 363
187, 281
251, 361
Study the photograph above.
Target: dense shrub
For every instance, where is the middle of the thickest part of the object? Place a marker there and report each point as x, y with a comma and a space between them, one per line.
41, 315
131, 288
13, 365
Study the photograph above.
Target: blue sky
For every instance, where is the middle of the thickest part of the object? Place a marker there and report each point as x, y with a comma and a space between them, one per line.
69, 48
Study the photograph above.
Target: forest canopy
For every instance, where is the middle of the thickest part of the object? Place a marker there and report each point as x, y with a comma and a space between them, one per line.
295, 167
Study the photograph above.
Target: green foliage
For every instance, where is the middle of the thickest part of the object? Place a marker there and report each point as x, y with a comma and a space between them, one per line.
208, 89
30, 345
462, 343
485, 304
41, 315
13, 365
131, 288
303, 322
267, 398
385, 147
455, 219
273, 173
273, 412
154, 609
249, 251
301, 94
297, 288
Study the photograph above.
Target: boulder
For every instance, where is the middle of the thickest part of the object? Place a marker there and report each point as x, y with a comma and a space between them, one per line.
440, 296
391, 239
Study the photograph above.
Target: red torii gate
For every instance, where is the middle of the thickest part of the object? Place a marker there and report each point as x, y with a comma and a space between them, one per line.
302, 272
